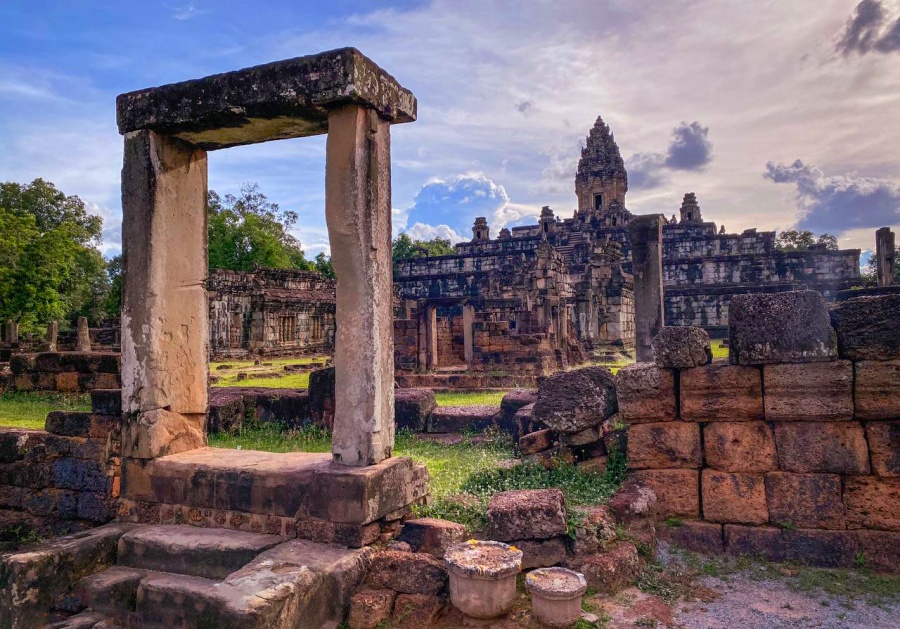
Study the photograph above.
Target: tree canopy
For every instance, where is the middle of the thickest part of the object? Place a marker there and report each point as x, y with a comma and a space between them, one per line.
50, 266
793, 240
406, 247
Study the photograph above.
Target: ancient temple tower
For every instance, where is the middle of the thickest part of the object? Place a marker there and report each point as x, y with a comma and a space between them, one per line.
601, 180
690, 209
480, 230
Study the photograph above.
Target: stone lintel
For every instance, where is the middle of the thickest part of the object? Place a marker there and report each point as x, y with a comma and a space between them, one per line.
280, 100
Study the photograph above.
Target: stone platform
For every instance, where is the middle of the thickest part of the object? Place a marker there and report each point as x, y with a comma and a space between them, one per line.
289, 494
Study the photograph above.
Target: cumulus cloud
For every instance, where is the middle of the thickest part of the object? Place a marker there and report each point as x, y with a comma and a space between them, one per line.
689, 149
423, 231
840, 203
873, 27
188, 12
526, 107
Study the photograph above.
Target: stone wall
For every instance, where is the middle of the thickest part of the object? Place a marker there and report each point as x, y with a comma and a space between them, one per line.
66, 372
791, 450
62, 479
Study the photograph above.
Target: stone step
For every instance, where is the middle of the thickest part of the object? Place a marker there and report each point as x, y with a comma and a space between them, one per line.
112, 591
87, 619
186, 550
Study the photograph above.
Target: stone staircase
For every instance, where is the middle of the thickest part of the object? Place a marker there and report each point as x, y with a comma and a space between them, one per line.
181, 576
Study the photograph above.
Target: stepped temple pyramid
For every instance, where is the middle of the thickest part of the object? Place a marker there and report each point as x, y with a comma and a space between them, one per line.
538, 298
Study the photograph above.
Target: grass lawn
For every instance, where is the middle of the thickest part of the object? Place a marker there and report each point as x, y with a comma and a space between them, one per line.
718, 349
29, 410
227, 371
463, 477
469, 398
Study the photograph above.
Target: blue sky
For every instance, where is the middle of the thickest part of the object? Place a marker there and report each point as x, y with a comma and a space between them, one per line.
777, 114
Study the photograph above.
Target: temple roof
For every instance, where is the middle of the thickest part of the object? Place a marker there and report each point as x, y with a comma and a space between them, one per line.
600, 156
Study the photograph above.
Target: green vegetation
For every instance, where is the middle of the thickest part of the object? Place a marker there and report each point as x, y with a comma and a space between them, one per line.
793, 240
405, 247
469, 398
270, 374
719, 350
29, 410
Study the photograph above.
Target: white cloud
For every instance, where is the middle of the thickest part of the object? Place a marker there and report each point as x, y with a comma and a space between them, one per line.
423, 231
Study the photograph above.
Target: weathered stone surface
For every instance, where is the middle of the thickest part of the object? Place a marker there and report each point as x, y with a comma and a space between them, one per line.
82, 336
646, 393
582, 438
15, 443
881, 549
867, 327
158, 433
526, 514
106, 401
805, 500
413, 408
734, 498
111, 590
409, 573
570, 401
664, 445
827, 549
284, 99
633, 500
536, 442
645, 233
414, 611
876, 389
765, 542
321, 397
703, 396
521, 423
594, 529
516, 399
872, 502
835, 447
541, 553
432, 535
677, 491
810, 392
461, 418
681, 347
884, 445
369, 609
343, 534
611, 570
696, 536
740, 447
791, 327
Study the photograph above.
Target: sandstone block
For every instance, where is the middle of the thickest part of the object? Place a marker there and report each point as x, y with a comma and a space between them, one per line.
703, 398
414, 611
541, 553
612, 570
526, 514
432, 535
681, 347
677, 491
835, 447
810, 392
461, 418
646, 393
369, 609
884, 445
321, 397
157, 433
696, 536
409, 573
570, 401
790, 327
536, 442
15, 443
106, 401
412, 408
582, 438
740, 447
881, 549
872, 502
867, 327
734, 498
805, 500
633, 500
876, 389
81, 475
766, 542
664, 445
325, 532
594, 530
67, 382
516, 399
827, 549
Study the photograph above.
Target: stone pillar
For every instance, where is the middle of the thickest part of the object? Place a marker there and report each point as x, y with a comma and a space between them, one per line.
646, 256
165, 315
82, 336
468, 319
358, 213
12, 332
431, 346
884, 256
52, 336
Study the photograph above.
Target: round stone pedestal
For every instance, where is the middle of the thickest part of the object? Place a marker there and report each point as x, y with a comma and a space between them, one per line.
483, 577
556, 595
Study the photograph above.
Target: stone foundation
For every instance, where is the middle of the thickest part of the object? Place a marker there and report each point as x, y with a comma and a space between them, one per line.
66, 372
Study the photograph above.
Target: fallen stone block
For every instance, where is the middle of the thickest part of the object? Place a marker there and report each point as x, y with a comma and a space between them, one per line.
867, 327
594, 530
526, 514
810, 392
321, 397
570, 401
664, 445
875, 389
535, 442
461, 418
740, 447
612, 570
681, 347
703, 400
541, 553
432, 535
830, 447
790, 327
408, 573
370, 609
413, 408
227, 411
734, 498
872, 502
414, 611
516, 399
884, 445
633, 500
805, 500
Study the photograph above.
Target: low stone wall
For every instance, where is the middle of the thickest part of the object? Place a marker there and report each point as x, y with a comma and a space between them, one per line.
775, 457
67, 372
63, 479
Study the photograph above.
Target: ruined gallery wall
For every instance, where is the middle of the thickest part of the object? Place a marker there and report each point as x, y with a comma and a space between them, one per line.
789, 459
66, 372
65, 478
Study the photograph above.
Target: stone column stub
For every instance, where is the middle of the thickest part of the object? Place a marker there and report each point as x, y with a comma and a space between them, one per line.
82, 336
646, 255
885, 247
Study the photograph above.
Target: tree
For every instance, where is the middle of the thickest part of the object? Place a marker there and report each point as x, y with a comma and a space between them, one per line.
869, 273
323, 265
405, 247
793, 240
249, 230
50, 267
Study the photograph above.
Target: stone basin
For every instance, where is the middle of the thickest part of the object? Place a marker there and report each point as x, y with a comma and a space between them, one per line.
483, 577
